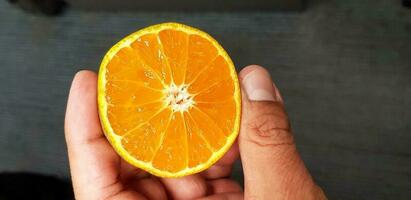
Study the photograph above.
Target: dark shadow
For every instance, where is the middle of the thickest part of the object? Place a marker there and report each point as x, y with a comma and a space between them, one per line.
46, 7
406, 3
54, 7
33, 186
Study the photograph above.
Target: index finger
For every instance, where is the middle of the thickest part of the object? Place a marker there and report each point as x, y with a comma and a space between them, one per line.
94, 165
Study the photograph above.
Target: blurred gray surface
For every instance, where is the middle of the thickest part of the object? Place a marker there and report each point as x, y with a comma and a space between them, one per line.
344, 69
186, 5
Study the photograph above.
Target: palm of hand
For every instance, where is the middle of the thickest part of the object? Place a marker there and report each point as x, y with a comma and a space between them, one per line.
99, 173
271, 164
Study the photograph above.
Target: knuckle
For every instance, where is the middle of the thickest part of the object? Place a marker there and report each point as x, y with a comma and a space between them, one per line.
194, 190
270, 127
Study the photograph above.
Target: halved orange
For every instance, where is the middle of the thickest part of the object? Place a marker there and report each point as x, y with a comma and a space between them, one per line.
169, 99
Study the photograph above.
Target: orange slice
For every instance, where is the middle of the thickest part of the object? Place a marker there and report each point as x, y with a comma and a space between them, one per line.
169, 99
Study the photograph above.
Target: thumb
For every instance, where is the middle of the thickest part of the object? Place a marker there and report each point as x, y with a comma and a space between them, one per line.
272, 166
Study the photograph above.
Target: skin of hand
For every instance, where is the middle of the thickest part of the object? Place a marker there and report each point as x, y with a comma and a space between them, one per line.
272, 166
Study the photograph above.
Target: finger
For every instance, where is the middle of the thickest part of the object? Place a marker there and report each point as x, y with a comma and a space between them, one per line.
194, 186
225, 196
223, 167
223, 186
149, 187
93, 163
270, 160
188, 187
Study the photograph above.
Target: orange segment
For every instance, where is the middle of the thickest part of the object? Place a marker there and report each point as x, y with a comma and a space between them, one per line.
217, 66
220, 113
125, 118
132, 70
130, 93
169, 100
172, 154
175, 46
150, 52
219, 92
201, 52
201, 149
143, 141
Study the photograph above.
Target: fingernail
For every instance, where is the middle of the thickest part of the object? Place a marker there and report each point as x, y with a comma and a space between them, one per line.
259, 87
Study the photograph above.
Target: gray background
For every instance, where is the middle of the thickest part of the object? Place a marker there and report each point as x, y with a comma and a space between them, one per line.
344, 69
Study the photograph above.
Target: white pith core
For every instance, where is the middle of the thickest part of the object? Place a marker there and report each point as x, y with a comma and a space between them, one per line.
178, 97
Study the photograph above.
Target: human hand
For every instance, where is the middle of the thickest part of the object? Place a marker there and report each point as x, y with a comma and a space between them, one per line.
272, 166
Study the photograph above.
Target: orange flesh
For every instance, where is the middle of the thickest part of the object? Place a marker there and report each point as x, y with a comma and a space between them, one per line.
137, 94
